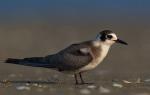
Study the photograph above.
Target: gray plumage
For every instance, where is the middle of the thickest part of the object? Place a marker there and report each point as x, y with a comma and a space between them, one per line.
70, 58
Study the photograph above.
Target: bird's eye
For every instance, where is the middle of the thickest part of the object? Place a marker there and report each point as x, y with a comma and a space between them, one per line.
109, 36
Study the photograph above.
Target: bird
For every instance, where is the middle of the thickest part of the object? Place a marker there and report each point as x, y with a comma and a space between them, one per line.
76, 58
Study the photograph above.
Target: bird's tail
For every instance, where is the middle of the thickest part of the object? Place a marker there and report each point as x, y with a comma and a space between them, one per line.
11, 60
33, 61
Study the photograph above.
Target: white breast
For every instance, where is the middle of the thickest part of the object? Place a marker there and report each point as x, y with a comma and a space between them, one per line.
95, 62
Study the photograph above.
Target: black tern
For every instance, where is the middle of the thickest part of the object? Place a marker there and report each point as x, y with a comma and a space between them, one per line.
76, 58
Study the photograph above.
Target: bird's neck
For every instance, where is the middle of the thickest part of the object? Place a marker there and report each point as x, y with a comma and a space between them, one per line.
104, 50
103, 47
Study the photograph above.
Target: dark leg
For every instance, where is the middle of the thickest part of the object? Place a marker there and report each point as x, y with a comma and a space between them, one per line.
75, 76
82, 81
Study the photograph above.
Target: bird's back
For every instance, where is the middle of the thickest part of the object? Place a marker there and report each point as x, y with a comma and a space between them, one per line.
70, 58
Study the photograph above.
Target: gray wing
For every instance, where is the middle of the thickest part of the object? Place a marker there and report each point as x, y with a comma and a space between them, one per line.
72, 58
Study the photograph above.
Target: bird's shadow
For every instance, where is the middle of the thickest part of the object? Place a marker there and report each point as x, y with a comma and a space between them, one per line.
49, 82
27, 81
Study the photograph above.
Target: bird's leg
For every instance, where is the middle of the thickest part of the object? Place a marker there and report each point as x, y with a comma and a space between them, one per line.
76, 79
82, 81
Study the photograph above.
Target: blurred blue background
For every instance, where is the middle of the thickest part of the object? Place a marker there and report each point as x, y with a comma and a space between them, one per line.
41, 27
76, 12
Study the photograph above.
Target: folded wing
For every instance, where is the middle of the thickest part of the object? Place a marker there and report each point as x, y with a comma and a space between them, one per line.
72, 58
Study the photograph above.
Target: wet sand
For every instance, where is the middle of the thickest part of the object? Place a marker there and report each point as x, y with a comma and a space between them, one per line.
38, 81
62, 88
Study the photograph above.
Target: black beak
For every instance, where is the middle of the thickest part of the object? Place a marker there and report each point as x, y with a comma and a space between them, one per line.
121, 42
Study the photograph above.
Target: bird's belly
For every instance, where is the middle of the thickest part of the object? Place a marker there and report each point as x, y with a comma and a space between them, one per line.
95, 62
91, 65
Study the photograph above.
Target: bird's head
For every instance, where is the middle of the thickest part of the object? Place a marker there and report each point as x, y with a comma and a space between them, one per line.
109, 37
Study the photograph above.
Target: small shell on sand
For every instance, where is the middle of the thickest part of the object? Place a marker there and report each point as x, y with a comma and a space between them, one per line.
23, 88
118, 85
104, 90
85, 91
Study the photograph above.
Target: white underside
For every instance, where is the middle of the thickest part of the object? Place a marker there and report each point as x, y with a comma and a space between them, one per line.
97, 61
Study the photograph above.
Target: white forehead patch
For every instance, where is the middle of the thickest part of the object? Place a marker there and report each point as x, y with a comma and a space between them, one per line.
114, 36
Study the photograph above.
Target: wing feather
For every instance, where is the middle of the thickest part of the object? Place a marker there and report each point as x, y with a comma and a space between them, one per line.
74, 57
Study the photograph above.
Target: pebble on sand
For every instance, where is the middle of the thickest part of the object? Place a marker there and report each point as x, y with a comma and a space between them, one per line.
91, 86
23, 88
85, 91
126, 81
117, 85
104, 90
35, 84
147, 80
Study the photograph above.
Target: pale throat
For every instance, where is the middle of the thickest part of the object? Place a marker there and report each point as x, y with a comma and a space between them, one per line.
104, 48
